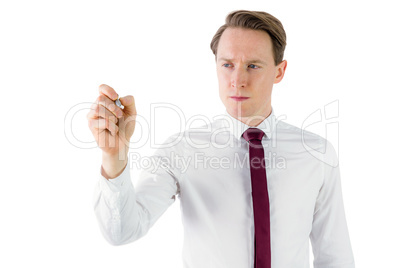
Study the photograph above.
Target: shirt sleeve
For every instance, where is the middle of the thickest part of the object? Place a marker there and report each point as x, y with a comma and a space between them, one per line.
124, 214
329, 236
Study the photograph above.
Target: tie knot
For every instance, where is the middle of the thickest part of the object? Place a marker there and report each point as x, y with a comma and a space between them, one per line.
253, 134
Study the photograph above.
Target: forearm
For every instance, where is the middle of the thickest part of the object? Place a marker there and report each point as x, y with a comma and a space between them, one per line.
117, 210
113, 165
125, 214
329, 235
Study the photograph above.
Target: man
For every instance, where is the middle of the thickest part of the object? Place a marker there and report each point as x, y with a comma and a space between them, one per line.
266, 196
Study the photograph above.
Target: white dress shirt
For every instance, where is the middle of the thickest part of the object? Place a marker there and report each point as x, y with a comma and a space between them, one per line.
209, 170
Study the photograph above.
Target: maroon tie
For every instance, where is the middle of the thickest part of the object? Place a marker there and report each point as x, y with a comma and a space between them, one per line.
262, 257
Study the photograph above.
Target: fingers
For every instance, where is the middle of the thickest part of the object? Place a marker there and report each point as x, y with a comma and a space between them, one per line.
127, 101
109, 105
129, 105
108, 92
102, 124
104, 115
99, 111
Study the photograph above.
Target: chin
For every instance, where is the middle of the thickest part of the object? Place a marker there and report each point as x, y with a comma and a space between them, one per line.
235, 112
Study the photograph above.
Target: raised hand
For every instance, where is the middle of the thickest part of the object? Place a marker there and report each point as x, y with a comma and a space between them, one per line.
112, 128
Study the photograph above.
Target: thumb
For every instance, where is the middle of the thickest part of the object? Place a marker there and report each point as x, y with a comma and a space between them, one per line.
129, 105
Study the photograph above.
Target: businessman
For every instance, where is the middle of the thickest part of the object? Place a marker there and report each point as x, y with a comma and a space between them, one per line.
251, 194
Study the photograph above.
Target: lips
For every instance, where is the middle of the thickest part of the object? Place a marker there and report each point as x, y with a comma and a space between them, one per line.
239, 98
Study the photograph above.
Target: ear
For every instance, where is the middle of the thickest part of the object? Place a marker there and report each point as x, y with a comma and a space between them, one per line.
280, 71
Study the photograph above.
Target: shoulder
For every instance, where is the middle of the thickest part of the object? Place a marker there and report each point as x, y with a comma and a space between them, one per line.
196, 135
286, 132
298, 139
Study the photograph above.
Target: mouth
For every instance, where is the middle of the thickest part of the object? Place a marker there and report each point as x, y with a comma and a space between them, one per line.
239, 98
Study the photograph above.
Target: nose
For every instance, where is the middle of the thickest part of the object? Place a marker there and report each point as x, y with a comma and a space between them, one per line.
239, 78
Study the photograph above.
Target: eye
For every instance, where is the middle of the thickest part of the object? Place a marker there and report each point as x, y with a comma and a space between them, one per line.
227, 65
252, 66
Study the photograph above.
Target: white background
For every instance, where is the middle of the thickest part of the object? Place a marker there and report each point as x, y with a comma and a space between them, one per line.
54, 54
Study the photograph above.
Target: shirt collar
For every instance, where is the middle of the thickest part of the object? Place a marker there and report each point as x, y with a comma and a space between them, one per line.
237, 128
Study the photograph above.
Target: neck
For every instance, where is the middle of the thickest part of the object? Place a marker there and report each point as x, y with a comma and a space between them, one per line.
254, 120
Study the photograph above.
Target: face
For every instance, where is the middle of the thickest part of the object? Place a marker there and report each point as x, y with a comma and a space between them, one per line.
246, 73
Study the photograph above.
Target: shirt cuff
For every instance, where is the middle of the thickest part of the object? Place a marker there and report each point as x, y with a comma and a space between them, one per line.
117, 183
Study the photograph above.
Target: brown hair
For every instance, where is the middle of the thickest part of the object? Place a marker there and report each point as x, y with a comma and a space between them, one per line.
255, 20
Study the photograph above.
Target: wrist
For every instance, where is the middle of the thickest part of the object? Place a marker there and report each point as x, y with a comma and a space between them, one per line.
113, 165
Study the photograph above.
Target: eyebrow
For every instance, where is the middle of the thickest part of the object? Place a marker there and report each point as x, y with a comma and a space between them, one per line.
248, 62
